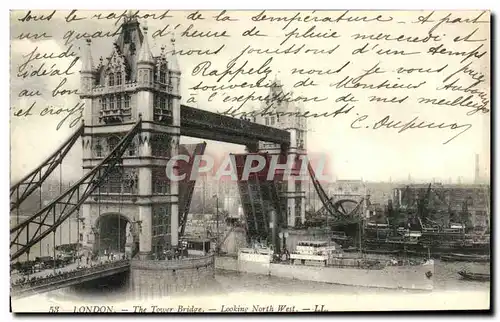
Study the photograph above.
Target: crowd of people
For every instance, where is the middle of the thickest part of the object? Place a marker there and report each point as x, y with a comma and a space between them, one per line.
92, 263
173, 254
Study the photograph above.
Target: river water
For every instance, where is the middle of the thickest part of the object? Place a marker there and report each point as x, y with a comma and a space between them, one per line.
256, 293
232, 284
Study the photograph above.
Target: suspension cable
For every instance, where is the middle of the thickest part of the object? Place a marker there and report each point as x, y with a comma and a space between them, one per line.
30, 183
90, 181
17, 212
78, 231
54, 241
98, 229
120, 200
60, 205
69, 236
41, 205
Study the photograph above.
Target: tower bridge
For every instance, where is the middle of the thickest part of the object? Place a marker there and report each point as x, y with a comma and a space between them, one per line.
124, 201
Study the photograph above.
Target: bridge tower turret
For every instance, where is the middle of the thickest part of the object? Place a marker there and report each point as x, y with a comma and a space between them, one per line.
130, 85
174, 77
145, 79
145, 107
87, 81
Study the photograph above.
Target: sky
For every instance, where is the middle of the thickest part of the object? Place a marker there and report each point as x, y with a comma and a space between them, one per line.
352, 154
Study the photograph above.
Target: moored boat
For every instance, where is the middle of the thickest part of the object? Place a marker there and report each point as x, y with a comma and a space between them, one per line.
372, 251
474, 276
321, 262
465, 258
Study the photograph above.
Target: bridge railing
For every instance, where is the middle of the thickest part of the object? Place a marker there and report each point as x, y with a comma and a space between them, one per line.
79, 272
190, 262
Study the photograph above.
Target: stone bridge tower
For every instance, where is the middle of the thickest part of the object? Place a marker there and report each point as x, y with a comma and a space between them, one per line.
129, 85
285, 115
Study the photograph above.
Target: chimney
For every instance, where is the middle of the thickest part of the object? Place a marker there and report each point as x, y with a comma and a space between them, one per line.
476, 170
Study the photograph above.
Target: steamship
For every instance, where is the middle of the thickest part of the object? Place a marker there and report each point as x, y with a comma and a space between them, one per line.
320, 261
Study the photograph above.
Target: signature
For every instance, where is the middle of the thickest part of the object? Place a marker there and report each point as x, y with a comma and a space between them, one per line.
414, 124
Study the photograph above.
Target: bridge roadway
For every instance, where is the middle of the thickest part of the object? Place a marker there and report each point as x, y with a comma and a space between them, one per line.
47, 280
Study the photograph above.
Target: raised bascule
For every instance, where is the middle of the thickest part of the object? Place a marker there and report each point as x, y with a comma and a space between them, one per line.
132, 123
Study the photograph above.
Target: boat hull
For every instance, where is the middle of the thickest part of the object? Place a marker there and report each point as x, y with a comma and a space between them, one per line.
465, 258
475, 276
418, 277
435, 248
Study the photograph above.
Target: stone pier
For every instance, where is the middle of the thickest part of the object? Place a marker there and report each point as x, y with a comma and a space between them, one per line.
150, 279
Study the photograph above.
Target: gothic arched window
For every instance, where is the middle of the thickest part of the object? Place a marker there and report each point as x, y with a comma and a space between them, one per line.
129, 183
112, 103
160, 182
111, 79
131, 149
114, 182
156, 100
118, 102
126, 36
118, 78
126, 103
163, 102
113, 142
98, 150
163, 76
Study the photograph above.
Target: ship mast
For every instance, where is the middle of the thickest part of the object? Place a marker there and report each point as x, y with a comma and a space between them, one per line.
360, 224
359, 234
488, 214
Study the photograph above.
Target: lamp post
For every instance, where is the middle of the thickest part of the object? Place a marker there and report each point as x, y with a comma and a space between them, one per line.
95, 232
217, 223
136, 229
80, 220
